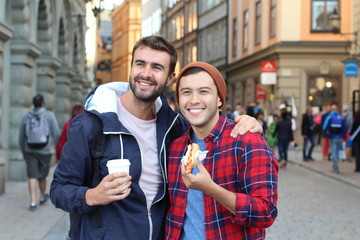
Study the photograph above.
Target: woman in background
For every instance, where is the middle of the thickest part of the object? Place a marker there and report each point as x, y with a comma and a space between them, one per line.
77, 109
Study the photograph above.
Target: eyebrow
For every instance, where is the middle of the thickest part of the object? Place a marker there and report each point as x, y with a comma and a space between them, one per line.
153, 64
201, 88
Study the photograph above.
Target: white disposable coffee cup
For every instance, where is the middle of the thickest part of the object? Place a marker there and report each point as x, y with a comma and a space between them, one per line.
118, 165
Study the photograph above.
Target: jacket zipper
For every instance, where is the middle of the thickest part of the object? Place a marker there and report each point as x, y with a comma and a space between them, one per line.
164, 173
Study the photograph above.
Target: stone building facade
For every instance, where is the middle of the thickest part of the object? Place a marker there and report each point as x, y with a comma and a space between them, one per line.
42, 50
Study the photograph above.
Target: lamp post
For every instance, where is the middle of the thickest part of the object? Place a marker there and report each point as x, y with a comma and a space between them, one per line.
97, 6
335, 23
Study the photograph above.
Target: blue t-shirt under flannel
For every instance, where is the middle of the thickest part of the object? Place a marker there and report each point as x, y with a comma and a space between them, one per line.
194, 218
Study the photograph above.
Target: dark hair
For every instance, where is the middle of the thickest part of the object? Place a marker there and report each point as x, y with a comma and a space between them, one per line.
193, 70
77, 109
158, 43
38, 100
250, 111
260, 112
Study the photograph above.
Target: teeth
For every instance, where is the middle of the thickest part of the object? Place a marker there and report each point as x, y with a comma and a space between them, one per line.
144, 84
195, 110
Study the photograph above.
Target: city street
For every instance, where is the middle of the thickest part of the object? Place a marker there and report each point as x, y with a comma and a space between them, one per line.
313, 206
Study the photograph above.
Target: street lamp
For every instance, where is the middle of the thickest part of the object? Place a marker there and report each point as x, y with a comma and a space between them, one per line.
335, 23
334, 20
97, 7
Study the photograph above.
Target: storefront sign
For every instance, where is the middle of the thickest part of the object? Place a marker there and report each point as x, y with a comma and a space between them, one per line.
268, 66
260, 93
351, 69
268, 73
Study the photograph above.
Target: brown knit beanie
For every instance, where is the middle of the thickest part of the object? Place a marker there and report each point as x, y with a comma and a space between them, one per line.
213, 72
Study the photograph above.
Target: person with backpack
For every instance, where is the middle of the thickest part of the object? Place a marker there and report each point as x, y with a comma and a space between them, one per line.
336, 127
138, 125
34, 140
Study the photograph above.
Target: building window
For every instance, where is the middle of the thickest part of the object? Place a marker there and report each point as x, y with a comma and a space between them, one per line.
272, 18
179, 26
191, 53
172, 3
206, 5
258, 22
321, 12
246, 30
192, 18
234, 37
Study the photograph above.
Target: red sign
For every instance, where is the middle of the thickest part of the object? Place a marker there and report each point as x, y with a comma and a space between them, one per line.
260, 93
268, 66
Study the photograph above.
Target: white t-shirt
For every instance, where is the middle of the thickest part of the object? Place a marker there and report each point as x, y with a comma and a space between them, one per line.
145, 134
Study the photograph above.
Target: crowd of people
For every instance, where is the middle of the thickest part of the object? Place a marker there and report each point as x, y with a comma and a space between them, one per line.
316, 129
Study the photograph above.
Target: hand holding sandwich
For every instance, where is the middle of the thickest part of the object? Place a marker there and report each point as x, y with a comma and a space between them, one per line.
202, 181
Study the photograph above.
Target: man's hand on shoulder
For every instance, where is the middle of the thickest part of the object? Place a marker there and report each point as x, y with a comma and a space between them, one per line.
244, 124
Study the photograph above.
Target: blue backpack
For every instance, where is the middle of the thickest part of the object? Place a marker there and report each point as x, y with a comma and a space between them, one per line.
336, 123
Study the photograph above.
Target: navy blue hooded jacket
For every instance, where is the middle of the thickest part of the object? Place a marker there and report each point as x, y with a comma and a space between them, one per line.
128, 218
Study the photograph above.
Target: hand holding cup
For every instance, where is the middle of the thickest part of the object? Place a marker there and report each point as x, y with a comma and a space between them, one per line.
119, 165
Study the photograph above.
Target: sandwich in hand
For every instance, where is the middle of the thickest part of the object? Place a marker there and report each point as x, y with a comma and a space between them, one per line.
189, 160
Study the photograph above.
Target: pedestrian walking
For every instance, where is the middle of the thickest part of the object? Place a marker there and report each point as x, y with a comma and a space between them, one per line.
36, 128
235, 174
261, 119
307, 131
271, 137
318, 131
284, 132
139, 125
335, 126
325, 134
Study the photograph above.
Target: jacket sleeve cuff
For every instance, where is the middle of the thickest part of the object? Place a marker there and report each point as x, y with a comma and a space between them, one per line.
84, 208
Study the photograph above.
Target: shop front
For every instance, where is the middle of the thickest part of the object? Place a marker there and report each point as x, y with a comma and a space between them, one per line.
305, 74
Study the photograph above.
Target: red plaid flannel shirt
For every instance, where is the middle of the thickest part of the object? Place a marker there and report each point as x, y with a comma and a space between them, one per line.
246, 166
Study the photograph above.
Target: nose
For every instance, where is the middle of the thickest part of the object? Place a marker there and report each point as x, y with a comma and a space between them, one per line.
194, 97
147, 72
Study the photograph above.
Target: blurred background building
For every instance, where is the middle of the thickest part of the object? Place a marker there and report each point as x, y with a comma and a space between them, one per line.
42, 50
296, 52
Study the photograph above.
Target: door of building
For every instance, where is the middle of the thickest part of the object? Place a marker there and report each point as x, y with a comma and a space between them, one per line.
324, 90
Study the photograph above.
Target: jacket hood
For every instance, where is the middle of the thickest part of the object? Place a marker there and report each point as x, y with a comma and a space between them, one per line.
35, 111
103, 99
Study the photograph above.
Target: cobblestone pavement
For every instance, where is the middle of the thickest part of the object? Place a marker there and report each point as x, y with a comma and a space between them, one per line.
313, 206
17, 222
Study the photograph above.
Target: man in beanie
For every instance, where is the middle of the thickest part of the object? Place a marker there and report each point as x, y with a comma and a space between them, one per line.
139, 125
232, 192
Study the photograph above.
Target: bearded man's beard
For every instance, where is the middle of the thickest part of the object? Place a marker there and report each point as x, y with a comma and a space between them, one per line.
146, 96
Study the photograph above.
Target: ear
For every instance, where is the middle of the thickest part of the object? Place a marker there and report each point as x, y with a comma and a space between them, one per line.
219, 103
170, 79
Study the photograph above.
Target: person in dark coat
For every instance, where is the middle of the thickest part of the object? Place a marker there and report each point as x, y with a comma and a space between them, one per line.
285, 134
307, 131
